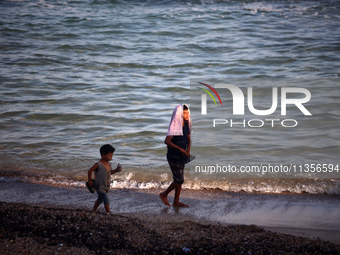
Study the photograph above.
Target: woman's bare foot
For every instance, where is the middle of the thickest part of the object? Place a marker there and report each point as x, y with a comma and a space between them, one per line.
179, 204
164, 199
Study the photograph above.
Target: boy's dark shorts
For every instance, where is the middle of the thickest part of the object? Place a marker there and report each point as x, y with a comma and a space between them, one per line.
177, 172
103, 197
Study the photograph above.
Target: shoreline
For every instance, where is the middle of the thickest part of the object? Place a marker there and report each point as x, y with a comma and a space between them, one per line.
233, 185
33, 229
283, 213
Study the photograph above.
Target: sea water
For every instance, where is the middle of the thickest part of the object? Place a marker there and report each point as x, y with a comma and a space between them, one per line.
75, 75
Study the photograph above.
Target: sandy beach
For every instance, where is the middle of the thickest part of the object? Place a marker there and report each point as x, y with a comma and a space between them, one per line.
261, 80
28, 229
42, 219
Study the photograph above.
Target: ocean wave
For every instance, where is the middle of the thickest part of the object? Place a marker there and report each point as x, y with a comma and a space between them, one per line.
276, 186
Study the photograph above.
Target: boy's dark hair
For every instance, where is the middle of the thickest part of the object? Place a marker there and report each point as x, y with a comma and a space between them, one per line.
185, 107
106, 148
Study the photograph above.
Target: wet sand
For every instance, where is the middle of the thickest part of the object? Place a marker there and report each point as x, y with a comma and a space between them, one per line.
41, 219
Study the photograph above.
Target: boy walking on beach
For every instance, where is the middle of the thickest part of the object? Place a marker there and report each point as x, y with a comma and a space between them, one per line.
103, 171
178, 143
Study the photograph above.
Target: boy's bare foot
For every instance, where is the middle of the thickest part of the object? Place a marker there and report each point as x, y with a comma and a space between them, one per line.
179, 204
164, 199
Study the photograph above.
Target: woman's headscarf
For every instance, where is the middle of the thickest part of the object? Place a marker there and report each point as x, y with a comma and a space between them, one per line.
176, 123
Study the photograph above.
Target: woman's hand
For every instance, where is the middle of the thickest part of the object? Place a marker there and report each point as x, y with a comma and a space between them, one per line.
184, 152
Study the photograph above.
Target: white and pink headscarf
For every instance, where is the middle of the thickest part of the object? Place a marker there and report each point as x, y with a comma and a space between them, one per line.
176, 123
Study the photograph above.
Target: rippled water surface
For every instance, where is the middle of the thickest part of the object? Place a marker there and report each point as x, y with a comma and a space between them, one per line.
75, 75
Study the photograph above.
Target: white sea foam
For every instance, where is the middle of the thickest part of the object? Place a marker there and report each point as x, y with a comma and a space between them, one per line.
325, 186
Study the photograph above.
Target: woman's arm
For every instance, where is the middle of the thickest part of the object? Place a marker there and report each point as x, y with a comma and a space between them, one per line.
168, 142
188, 146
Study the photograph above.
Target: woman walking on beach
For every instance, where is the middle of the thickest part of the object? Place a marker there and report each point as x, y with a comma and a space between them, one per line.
178, 143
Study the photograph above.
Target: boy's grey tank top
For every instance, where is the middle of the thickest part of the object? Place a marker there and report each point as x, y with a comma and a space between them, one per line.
103, 177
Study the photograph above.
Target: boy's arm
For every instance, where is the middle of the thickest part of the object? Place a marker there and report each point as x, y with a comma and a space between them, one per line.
171, 144
89, 174
118, 169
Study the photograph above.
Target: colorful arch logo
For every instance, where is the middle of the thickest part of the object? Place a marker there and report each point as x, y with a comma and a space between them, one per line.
209, 93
